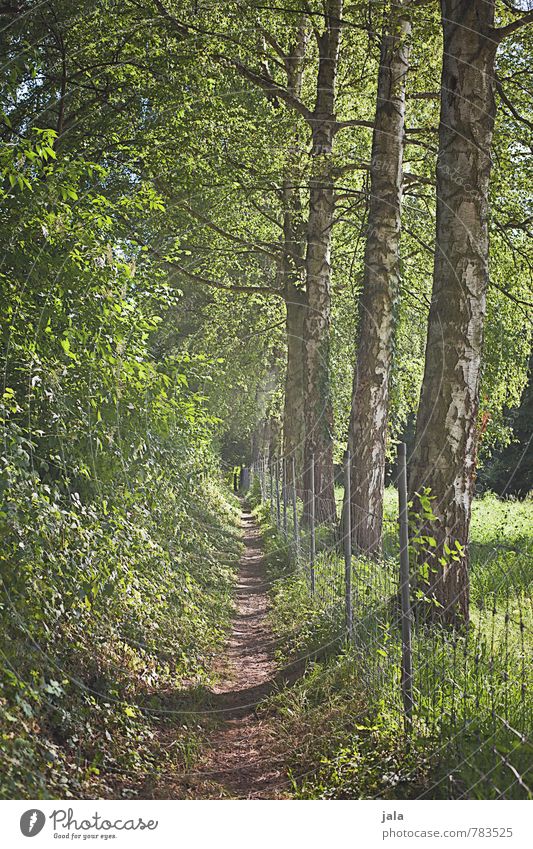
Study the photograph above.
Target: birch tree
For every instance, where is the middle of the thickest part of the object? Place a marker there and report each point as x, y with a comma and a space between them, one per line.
444, 457
369, 410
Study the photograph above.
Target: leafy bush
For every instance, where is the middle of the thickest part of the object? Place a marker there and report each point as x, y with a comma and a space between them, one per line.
118, 540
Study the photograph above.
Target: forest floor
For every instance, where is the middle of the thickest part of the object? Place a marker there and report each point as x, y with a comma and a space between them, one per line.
240, 757
313, 729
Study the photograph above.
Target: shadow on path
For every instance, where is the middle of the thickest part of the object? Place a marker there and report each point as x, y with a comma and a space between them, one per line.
239, 759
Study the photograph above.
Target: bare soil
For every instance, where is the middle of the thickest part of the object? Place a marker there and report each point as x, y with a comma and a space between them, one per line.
239, 758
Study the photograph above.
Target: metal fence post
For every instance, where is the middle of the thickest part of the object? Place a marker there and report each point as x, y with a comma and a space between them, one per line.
284, 492
312, 554
296, 530
271, 491
347, 537
278, 505
407, 655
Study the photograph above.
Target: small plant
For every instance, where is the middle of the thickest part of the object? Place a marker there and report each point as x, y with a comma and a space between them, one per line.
430, 558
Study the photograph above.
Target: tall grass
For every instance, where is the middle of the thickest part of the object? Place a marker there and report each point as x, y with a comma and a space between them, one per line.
472, 711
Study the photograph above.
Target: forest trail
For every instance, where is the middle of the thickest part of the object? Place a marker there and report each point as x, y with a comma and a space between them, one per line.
239, 759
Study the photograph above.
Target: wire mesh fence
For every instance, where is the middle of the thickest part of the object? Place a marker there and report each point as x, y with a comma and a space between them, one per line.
462, 692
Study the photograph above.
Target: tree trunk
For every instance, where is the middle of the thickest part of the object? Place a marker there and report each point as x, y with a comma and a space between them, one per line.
262, 434
446, 437
292, 270
274, 439
293, 411
318, 402
370, 398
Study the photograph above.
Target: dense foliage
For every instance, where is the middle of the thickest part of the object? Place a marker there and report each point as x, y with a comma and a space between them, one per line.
117, 545
157, 166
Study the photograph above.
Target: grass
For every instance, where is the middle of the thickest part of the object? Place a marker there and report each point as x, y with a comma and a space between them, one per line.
472, 716
104, 707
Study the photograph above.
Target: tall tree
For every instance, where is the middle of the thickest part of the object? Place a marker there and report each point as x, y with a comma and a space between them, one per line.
292, 269
318, 403
381, 277
316, 234
444, 457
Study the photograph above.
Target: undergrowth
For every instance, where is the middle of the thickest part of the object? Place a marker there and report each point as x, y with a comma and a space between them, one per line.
112, 619
342, 721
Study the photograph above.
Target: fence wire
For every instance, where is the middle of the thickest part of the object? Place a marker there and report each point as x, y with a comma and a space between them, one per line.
469, 687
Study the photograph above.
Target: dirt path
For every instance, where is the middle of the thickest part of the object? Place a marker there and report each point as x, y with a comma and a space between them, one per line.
238, 760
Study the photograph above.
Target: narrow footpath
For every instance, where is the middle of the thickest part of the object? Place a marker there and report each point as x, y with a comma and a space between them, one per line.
239, 759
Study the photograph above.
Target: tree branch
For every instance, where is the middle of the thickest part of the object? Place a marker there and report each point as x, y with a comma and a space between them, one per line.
341, 170
260, 209
415, 130
419, 143
341, 125
510, 296
260, 247
512, 109
501, 33
517, 225
270, 86
423, 95
514, 248
409, 177
269, 38
266, 291
181, 29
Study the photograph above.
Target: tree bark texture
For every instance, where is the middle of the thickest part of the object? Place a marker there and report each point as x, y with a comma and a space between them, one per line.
446, 437
292, 271
318, 401
370, 397
293, 411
